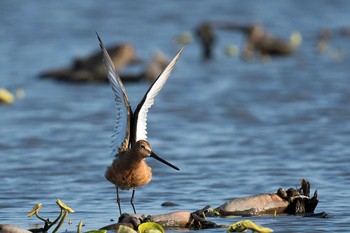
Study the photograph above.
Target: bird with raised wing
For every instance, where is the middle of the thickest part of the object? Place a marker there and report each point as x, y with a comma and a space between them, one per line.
129, 168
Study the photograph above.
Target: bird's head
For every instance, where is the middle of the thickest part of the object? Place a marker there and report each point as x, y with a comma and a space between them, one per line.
144, 149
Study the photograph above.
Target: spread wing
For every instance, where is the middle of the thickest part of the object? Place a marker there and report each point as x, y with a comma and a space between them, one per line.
122, 128
140, 115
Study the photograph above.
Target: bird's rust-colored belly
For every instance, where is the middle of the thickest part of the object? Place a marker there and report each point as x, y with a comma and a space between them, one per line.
128, 178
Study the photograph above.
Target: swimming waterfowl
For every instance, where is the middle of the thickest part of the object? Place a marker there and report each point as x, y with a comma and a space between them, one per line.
257, 40
265, 44
92, 68
205, 32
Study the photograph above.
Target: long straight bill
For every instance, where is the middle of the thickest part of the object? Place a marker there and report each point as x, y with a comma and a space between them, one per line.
153, 155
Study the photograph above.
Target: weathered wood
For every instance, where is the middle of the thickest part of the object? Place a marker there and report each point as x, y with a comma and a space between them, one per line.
291, 201
9, 228
254, 205
173, 219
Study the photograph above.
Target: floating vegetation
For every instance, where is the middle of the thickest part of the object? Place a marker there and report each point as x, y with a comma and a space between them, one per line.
242, 226
60, 219
150, 227
6, 97
96, 231
125, 229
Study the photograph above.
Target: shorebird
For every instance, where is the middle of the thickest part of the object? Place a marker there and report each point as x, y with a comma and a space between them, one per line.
129, 168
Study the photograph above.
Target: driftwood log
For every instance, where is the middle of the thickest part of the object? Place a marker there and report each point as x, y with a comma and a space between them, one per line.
291, 201
254, 205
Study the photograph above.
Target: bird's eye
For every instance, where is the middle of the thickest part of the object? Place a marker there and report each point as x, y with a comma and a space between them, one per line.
143, 146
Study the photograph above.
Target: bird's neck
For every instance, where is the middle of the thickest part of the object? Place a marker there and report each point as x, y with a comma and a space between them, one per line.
133, 160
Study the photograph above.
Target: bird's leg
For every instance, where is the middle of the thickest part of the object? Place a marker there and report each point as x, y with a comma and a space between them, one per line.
132, 200
118, 200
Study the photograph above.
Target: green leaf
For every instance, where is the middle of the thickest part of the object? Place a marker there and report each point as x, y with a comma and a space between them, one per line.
150, 227
242, 226
96, 231
125, 229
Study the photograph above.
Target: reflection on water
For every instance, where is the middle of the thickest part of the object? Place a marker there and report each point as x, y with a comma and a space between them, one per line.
234, 128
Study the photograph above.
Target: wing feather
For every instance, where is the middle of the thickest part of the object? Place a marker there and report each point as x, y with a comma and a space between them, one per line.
140, 115
121, 136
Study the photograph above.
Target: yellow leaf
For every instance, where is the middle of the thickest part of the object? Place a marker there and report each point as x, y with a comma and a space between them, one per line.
242, 226
80, 225
6, 96
64, 206
35, 210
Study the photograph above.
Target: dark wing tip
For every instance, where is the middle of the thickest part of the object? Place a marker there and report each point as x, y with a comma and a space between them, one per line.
100, 41
107, 59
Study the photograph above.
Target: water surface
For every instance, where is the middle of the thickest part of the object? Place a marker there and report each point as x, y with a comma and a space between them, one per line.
234, 128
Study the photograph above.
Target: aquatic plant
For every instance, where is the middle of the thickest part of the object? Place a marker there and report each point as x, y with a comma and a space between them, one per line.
64, 210
150, 227
242, 226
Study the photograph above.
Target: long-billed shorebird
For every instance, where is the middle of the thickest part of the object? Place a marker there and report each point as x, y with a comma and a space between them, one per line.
129, 168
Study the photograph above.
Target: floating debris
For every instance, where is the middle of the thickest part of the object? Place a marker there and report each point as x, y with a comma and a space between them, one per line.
296, 39
184, 38
6, 97
232, 50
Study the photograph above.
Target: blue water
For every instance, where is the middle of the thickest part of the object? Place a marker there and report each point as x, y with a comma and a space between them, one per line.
234, 128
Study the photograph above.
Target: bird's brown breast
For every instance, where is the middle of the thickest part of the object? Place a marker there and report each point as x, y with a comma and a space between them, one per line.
126, 174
